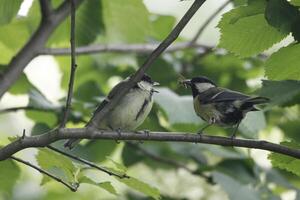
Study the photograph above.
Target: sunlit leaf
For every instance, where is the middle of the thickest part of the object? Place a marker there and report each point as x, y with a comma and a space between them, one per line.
285, 162
8, 10
141, 187
245, 31
57, 164
284, 64
117, 14
21, 86
104, 185
10, 173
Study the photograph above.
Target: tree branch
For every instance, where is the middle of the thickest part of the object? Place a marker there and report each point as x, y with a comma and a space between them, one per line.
121, 48
46, 9
31, 49
73, 66
208, 21
152, 57
91, 133
14, 109
103, 169
71, 187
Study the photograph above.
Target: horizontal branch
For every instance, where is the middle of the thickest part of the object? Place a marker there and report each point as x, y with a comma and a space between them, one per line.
91, 133
120, 48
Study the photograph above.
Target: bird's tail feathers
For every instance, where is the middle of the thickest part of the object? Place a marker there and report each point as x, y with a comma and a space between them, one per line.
71, 143
257, 100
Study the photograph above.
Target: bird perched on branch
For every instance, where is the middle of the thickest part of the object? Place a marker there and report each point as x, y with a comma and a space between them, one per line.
220, 106
131, 110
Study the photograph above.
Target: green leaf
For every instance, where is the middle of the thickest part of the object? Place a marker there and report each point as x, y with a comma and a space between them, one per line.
89, 25
286, 162
119, 167
281, 14
104, 185
126, 20
168, 100
8, 10
42, 117
295, 2
161, 26
235, 189
21, 86
57, 164
87, 91
141, 187
245, 31
38, 100
10, 173
284, 64
291, 129
40, 128
252, 124
280, 92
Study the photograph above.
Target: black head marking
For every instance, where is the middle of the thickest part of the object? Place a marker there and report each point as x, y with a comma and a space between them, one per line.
147, 78
201, 79
196, 80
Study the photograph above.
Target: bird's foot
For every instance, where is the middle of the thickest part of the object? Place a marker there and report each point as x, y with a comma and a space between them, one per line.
119, 135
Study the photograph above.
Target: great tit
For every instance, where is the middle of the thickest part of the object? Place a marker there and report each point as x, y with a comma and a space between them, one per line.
220, 106
131, 110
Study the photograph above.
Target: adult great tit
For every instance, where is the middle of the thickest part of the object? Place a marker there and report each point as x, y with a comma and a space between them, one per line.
220, 106
131, 110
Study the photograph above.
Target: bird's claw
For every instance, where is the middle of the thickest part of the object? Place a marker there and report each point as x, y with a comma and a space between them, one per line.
119, 135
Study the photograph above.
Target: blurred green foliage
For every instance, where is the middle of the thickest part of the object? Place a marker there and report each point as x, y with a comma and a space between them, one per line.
247, 30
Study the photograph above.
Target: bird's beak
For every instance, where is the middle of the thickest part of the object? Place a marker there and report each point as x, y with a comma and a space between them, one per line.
154, 90
156, 84
186, 82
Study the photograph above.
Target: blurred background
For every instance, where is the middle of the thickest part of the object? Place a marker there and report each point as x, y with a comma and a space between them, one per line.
178, 171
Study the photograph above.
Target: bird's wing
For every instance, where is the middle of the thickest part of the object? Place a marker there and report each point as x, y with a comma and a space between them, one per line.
110, 95
216, 94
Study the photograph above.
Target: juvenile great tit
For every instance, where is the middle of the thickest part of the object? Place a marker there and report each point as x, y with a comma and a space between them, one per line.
131, 110
220, 106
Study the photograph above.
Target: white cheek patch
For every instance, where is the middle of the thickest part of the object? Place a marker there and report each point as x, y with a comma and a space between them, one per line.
145, 85
201, 87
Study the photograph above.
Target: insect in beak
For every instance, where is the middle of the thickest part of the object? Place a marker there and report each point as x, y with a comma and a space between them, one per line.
156, 84
154, 90
185, 83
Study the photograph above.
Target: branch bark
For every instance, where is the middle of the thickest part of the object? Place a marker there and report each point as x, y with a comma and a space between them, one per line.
121, 48
91, 133
34, 45
73, 66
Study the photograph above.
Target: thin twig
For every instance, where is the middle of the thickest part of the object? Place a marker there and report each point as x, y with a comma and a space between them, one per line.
121, 48
208, 21
73, 67
167, 161
103, 169
92, 133
14, 109
148, 62
72, 188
